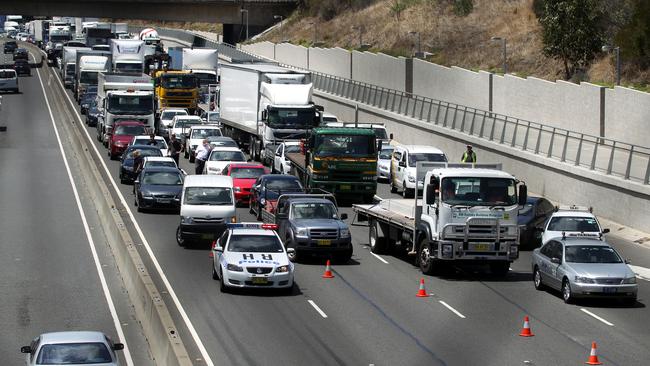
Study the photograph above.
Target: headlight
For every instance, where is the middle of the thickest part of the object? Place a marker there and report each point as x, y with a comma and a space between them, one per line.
186, 220
629, 280
447, 251
262, 202
411, 179
234, 268
147, 195
302, 232
345, 232
584, 279
119, 144
282, 269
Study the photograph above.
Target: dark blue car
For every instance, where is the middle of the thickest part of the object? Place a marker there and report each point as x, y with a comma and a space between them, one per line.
127, 174
159, 188
531, 221
267, 189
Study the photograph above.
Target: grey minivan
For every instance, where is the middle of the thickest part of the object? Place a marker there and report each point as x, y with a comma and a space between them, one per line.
9, 80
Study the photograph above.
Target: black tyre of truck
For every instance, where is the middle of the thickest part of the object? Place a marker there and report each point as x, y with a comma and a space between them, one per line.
427, 264
378, 244
179, 237
500, 268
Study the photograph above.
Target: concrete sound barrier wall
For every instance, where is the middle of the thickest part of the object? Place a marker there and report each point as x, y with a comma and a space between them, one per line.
627, 115
379, 69
293, 55
332, 61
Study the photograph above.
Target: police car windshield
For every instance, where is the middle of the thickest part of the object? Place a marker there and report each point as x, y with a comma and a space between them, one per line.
254, 244
471, 191
591, 254
581, 224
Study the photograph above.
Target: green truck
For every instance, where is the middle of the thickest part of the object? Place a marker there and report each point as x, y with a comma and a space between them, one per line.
339, 160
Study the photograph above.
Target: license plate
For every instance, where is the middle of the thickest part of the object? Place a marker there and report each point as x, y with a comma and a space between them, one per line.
260, 280
609, 290
324, 242
164, 201
482, 247
207, 236
346, 187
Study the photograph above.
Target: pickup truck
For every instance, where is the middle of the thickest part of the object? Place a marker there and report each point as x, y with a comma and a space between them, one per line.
311, 224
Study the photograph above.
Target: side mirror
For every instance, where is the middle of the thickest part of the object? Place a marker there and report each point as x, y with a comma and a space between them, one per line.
265, 114
25, 349
390, 136
218, 248
556, 260
402, 164
523, 194
344, 216
627, 261
291, 251
137, 181
431, 194
118, 346
605, 231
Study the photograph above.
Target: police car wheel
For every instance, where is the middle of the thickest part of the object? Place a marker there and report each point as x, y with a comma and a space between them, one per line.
537, 280
567, 294
222, 284
215, 276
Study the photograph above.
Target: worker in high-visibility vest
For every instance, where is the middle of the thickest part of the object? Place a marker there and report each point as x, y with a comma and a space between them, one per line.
469, 156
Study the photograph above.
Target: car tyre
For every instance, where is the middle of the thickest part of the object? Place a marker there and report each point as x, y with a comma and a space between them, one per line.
222, 284
427, 264
179, 237
567, 293
630, 301
407, 193
215, 276
377, 244
537, 280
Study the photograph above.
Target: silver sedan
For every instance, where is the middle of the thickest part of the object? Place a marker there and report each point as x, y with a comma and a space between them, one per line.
582, 267
63, 348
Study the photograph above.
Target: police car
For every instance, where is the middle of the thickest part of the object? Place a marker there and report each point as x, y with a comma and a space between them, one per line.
572, 221
251, 255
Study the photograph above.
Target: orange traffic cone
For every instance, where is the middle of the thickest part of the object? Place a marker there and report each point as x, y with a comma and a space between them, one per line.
328, 271
593, 356
525, 331
422, 292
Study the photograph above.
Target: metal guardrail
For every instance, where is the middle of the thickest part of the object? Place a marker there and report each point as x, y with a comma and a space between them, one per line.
627, 161
611, 157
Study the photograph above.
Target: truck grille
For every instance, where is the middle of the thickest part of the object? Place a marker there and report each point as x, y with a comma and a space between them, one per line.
345, 176
178, 94
259, 270
480, 230
212, 220
164, 196
323, 233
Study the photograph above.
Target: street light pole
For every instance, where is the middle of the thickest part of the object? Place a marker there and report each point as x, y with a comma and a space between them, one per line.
505, 53
281, 26
245, 11
419, 53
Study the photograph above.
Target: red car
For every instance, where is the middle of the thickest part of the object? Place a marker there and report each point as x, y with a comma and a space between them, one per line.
123, 133
244, 176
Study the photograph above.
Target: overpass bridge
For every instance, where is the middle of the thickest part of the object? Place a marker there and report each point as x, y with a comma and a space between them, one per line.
258, 16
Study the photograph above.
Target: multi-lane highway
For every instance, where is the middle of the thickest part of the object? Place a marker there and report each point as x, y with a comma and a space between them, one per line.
368, 314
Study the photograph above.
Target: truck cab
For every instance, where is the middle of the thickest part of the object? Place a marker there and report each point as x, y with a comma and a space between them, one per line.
176, 89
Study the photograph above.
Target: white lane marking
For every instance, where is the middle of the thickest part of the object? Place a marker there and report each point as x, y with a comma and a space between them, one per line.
378, 257
321, 312
154, 260
452, 309
91, 242
640, 272
596, 316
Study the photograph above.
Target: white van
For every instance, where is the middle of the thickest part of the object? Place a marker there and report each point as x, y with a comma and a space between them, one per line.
207, 205
402, 166
9, 80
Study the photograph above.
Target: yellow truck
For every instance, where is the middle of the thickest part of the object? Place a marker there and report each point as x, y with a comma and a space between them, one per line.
176, 89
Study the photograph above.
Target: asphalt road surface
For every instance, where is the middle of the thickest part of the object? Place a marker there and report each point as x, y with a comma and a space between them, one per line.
368, 314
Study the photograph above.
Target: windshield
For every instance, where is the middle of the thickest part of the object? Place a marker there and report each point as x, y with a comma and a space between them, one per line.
380, 133
129, 130
88, 96
88, 77
70, 68
179, 81
227, 156
206, 78
246, 173
415, 157
201, 133
472, 191
137, 67
216, 141
162, 178
171, 114
186, 123
275, 187
156, 163
130, 104
254, 244
345, 145
144, 152
74, 354
291, 118
58, 38
581, 224
217, 196
7, 74
313, 211
291, 149
159, 143
591, 254
213, 117
385, 153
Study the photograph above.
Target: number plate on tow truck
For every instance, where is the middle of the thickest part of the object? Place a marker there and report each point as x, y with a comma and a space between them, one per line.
482, 247
324, 242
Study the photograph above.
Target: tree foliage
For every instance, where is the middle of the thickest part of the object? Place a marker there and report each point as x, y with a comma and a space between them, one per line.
573, 32
634, 37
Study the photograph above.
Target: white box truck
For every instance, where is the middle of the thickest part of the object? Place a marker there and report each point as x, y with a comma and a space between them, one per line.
128, 55
124, 96
263, 105
203, 62
466, 215
89, 65
69, 64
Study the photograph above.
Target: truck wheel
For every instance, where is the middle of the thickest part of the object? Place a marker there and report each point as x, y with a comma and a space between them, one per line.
426, 263
407, 193
179, 237
377, 244
500, 268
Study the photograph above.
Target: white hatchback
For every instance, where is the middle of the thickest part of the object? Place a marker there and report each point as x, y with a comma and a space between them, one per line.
220, 156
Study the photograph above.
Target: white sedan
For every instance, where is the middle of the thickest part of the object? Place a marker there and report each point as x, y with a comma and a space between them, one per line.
220, 156
159, 142
251, 255
280, 162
